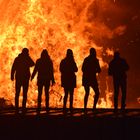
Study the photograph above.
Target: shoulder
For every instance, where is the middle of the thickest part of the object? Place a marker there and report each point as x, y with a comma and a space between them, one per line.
124, 62
111, 63
86, 59
62, 61
51, 61
38, 61
17, 59
97, 59
122, 59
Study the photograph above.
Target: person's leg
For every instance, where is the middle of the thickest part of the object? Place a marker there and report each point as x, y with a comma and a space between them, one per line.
116, 93
123, 89
97, 93
47, 96
86, 96
40, 87
71, 99
25, 90
17, 88
65, 98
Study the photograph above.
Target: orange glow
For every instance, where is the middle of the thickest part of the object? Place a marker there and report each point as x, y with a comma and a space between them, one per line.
55, 25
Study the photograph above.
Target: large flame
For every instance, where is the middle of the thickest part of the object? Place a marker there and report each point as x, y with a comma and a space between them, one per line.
55, 25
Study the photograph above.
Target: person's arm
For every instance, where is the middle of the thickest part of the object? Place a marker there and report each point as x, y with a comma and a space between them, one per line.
126, 65
75, 67
34, 71
52, 73
83, 66
31, 62
13, 70
61, 67
110, 69
98, 69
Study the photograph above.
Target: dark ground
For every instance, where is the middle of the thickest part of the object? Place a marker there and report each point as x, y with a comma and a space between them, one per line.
102, 125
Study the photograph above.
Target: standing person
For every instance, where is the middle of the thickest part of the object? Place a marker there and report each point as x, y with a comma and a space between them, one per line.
89, 68
21, 72
44, 67
68, 68
117, 69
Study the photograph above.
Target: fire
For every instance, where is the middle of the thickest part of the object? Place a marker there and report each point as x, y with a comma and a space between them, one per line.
55, 25
138, 100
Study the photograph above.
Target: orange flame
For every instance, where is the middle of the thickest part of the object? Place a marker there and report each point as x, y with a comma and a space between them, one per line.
55, 25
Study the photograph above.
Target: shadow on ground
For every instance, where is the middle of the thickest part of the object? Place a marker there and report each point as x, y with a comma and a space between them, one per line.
100, 125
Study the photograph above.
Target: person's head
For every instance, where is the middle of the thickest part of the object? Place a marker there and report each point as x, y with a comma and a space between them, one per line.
69, 53
92, 52
116, 55
25, 51
44, 54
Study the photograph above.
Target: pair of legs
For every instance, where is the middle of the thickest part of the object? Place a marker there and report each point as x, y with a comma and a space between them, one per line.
40, 88
25, 84
70, 92
87, 90
119, 84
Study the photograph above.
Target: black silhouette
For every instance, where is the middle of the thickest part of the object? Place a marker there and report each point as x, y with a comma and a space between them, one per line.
21, 72
89, 68
44, 67
68, 68
117, 69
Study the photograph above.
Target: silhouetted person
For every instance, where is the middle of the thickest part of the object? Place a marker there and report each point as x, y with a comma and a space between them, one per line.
44, 68
117, 69
89, 68
21, 72
68, 68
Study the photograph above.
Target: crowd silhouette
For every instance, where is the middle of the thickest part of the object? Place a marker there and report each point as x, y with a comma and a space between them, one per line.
45, 78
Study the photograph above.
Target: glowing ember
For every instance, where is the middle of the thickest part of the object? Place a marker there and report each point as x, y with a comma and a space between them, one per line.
55, 25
